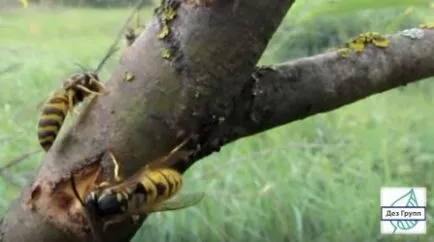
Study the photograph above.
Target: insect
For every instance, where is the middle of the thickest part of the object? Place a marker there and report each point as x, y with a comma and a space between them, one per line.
74, 91
131, 34
151, 189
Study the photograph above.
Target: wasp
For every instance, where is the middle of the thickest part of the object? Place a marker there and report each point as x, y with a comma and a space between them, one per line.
151, 189
74, 90
62, 101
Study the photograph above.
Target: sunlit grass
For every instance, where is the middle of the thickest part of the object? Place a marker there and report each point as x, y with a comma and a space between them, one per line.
317, 179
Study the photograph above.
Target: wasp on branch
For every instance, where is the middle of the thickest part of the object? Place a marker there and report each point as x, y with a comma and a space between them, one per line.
150, 190
74, 90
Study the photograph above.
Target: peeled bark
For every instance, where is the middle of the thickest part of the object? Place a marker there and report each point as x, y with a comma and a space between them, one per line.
194, 73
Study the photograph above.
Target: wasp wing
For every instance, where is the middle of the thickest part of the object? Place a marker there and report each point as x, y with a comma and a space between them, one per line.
45, 100
179, 202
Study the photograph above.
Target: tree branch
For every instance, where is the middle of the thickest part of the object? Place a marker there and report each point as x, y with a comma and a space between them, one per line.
16, 161
298, 89
182, 69
283, 93
197, 78
10, 68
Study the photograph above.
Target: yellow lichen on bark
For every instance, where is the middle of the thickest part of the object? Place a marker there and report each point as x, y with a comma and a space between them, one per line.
359, 43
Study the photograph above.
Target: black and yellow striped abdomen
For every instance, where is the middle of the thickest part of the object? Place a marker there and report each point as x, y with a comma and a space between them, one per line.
52, 117
159, 185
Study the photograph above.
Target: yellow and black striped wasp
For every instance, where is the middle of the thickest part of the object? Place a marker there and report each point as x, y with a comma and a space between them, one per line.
74, 90
151, 189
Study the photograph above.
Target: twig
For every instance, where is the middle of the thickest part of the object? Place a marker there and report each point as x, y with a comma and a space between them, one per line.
4, 139
10, 68
17, 160
15, 181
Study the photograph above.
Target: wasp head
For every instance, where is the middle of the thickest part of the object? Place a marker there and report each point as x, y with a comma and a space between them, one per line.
84, 84
92, 82
105, 203
72, 81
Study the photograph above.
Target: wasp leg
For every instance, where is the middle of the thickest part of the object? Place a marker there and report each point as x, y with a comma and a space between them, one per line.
92, 97
74, 189
100, 84
97, 82
103, 184
74, 112
135, 218
70, 100
116, 167
71, 103
115, 220
85, 89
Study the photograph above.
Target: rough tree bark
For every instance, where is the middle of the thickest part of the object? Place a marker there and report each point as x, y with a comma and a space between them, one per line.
194, 73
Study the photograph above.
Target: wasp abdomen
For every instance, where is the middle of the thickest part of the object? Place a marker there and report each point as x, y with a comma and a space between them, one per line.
52, 117
160, 185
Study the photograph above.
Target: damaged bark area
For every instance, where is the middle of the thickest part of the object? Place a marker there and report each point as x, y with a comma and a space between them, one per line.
58, 202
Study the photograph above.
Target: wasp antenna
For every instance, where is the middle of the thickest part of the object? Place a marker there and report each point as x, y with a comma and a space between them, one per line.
83, 68
180, 145
137, 19
17, 160
74, 189
112, 47
164, 159
109, 53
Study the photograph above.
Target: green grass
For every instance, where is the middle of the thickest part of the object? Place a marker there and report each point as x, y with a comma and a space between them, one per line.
313, 180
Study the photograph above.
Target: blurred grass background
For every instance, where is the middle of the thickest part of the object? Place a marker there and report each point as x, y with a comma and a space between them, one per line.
317, 179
